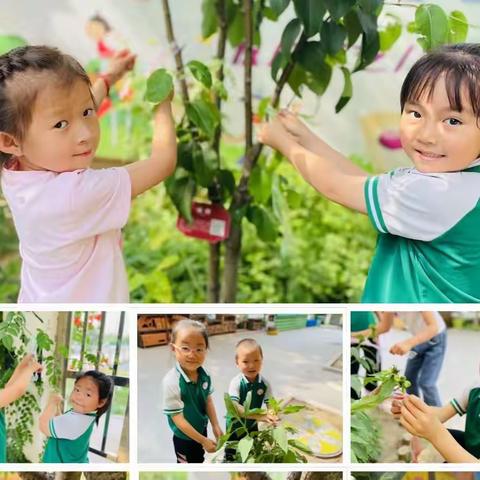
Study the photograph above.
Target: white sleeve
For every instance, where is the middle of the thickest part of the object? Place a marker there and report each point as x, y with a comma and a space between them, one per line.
234, 389
417, 205
70, 426
172, 400
460, 404
99, 200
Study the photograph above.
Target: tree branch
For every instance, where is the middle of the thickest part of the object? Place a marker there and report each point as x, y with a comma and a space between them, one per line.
176, 50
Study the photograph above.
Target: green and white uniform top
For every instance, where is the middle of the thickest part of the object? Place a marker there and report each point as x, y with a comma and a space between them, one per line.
469, 403
239, 388
181, 395
69, 438
428, 248
3, 438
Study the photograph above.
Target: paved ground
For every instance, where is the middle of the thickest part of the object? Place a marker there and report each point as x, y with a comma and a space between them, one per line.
294, 364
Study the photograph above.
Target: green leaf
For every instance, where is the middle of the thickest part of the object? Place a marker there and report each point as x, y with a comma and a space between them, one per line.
236, 30
204, 163
7, 342
290, 457
227, 180
339, 8
353, 26
181, 191
200, 72
373, 7
297, 79
299, 445
432, 23
370, 40
263, 221
185, 155
279, 6
260, 185
289, 36
311, 14
458, 24
203, 114
229, 405
159, 86
312, 58
279, 62
391, 33
332, 36
280, 436
244, 446
294, 199
209, 18
292, 409
347, 90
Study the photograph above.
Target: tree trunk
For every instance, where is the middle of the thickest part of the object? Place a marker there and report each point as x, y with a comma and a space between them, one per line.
252, 154
215, 249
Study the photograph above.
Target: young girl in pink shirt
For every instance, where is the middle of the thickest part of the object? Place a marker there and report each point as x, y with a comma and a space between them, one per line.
69, 216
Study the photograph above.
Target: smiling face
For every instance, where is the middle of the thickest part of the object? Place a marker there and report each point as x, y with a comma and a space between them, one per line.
436, 136
190, 349
64, 132
84, 397
249, 361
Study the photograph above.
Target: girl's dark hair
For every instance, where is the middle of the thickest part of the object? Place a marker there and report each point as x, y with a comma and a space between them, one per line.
460, 66
105, 389
99, 19
18, 93
187, 323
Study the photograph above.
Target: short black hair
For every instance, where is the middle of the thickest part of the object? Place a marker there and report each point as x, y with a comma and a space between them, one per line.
105, 389
460, 66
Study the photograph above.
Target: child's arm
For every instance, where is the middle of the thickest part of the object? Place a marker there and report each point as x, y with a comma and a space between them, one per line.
431, 329
307, 139
212, 415
180, 421
18, 383
51, 410
384, 325
145, 174
325, 172
121, 63
421, 420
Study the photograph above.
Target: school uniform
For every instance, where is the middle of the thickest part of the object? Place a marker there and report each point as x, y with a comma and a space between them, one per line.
428, 247
469, 404
238, 389
69, 438
181, 395
3, 438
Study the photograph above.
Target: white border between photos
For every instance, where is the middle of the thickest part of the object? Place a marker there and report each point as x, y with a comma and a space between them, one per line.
134, 468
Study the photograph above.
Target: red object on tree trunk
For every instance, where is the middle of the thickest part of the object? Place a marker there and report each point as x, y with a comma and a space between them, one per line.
211, 222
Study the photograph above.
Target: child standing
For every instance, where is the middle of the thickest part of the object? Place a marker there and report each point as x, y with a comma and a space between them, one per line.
187, 394
69, 433
249, 360
14, 389
428, 248
68, 216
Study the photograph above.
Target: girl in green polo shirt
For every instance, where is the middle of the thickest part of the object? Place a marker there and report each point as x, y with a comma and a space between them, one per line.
15, 388
187, 394
69, 433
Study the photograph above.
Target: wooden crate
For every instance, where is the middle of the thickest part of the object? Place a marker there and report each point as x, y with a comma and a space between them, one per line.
153, 339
